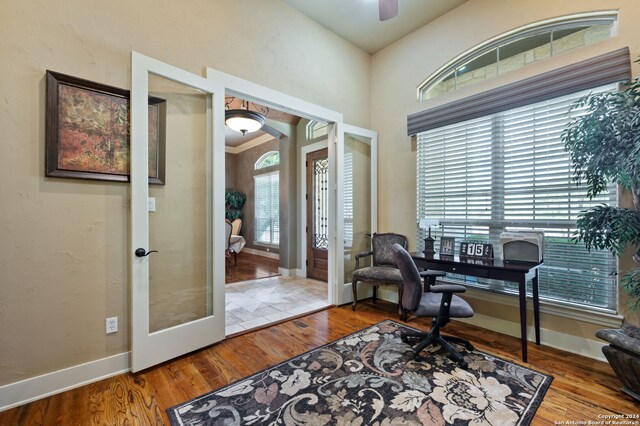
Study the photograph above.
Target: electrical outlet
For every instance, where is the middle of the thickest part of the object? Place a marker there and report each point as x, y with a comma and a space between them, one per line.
112, 325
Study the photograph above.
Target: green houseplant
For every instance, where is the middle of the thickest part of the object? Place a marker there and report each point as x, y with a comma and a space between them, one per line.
604, 147
234, 200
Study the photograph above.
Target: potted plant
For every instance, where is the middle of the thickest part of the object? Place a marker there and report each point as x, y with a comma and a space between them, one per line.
604, 147
234, 200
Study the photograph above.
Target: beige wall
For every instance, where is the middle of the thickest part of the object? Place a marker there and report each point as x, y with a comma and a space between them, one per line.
64, 243
397, 71
230, 168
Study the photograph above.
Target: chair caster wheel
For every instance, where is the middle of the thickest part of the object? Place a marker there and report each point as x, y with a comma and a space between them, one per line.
469, 347
417, 358
409, 339
463, 365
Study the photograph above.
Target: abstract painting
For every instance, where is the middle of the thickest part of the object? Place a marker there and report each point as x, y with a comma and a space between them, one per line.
88, 131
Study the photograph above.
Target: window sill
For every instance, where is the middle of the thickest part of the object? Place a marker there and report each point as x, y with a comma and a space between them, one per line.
595, 316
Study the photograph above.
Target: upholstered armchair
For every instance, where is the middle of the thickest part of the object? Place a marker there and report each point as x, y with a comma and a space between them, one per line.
383, 270
236, 226
228, 250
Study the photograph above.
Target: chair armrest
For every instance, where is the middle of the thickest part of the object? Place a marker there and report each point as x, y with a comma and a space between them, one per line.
360, 256
447, 288
364, 254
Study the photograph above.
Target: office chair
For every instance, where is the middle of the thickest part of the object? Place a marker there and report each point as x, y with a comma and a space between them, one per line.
439, 302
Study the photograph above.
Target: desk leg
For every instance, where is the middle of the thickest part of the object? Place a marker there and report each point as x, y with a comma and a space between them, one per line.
536, 306
522, 292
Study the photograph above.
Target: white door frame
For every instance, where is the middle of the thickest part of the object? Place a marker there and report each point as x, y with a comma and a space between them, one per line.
236, 86
147, 348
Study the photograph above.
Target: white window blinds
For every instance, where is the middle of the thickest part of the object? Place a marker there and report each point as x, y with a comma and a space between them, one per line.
347, 183
509, 171
267, 196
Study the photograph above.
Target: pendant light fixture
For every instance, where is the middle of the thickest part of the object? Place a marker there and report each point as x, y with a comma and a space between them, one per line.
243, 119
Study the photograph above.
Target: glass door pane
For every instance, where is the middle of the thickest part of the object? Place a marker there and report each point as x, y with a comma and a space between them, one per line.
180, 282
318, 214
357, 199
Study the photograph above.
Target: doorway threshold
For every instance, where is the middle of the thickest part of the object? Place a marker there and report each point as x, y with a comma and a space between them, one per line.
265, 301
269, 324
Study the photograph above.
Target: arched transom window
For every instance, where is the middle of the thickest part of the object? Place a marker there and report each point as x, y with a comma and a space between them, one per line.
271, 158
518, 49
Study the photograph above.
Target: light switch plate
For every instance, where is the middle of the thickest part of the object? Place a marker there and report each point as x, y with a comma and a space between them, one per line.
151, 204
112, 325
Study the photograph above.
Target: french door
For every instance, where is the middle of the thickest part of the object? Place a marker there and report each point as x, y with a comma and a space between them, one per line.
177, 236
357, 212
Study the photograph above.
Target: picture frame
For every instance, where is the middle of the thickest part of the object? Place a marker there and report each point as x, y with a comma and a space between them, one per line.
87, 131
447, 246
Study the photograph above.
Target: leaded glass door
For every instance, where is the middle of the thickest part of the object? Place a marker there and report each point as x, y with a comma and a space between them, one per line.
318, 214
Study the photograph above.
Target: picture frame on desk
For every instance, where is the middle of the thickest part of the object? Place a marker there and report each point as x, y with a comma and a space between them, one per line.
447, 246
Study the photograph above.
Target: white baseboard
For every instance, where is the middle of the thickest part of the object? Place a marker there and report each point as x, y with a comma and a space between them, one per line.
291, 272
575, 344
287, 272
262, 253
28, 390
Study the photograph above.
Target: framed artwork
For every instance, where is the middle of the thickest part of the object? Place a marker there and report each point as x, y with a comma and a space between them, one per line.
447, 245
87, 131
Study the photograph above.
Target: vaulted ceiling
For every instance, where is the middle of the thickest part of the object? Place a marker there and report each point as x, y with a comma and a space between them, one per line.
357, 20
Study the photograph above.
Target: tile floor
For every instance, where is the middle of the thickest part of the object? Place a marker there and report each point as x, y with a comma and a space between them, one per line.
251, 304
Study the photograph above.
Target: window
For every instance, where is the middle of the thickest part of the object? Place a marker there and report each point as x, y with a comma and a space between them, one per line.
517, 49
347, 183
316, 130
267, 200
271, 158
509, 171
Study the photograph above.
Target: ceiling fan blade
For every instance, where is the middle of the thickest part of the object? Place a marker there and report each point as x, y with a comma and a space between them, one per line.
388, 9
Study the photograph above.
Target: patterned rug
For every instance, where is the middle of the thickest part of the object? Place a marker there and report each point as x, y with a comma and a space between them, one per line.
370, 378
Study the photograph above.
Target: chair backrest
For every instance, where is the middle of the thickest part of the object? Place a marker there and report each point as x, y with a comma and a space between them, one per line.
236, 226
227, 228
410, 276
381, 246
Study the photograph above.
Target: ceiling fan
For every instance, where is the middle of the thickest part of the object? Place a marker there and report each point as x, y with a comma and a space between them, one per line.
387, 9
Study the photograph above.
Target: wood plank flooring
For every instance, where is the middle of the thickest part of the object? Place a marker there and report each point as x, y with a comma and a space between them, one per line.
251, 267
582, 390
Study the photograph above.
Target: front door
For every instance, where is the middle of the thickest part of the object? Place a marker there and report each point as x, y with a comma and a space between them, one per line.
177, 293
318, 214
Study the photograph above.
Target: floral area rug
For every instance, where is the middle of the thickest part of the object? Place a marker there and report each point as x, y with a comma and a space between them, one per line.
370, 378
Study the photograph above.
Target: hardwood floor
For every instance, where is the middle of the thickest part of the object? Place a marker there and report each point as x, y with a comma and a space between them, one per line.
582, 390
251, 267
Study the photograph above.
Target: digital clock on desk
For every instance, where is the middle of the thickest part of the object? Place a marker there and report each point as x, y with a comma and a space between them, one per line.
476, 250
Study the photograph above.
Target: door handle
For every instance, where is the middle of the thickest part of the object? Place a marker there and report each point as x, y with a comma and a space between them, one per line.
143, 253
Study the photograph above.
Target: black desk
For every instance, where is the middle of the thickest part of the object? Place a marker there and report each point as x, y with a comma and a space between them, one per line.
495, 269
